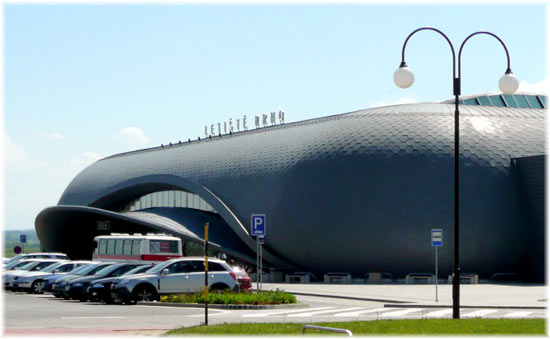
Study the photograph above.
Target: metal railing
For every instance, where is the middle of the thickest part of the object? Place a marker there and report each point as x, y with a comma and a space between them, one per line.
328, 329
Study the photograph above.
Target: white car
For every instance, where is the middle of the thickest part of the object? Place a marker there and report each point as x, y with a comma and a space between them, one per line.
32, 266
43, 255
182, 275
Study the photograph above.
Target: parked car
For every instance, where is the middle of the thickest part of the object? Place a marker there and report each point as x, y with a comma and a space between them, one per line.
61, 286
33, 282
100, 289
48, 283
16, 265
78, 288
182, 275
32, 266
245, 283
44, 255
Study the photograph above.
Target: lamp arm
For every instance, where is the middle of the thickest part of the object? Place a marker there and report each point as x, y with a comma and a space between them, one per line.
508, 70
431, 29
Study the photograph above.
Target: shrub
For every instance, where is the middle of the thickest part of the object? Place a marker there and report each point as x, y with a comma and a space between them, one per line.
228, 297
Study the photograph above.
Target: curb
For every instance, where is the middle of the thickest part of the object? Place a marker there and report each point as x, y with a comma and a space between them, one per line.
225, 307
467, 306
350, 298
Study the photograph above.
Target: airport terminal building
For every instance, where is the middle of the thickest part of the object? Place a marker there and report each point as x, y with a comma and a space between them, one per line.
357, 192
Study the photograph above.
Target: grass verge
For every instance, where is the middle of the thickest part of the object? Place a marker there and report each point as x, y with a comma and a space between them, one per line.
228, 297
382, 327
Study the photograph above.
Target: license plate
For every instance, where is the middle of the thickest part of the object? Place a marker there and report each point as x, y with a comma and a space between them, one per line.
94, 293
67, 288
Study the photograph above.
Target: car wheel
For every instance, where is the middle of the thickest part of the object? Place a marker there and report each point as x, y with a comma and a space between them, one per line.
37, 287
218, 287
144, 293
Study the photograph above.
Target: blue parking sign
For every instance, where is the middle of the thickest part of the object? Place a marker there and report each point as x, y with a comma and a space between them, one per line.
257, 227
23, 238
437, 237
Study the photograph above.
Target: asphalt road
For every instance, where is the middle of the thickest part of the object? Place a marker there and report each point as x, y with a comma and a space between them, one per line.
44, 314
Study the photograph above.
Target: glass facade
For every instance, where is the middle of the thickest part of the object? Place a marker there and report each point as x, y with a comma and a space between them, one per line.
497, 100
176, 199
506, 100
472, 101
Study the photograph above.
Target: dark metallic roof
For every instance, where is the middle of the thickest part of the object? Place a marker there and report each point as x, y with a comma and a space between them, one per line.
358, 186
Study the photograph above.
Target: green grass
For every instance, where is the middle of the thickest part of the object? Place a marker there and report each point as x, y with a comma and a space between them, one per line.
228, 297
382, 327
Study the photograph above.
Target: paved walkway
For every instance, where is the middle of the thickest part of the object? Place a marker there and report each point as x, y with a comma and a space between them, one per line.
481, 295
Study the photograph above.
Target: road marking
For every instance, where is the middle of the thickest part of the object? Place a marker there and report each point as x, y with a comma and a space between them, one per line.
105, 317
355, 314
402, 312
518, 314
478, 313
440, 313
267, 314
220, 312
172, 307
307, 314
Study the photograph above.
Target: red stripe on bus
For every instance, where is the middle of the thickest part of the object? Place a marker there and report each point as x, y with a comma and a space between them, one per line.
154, 257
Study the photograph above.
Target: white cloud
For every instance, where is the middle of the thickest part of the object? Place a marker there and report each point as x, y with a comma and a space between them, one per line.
132, 135
398, 101
540, 87
56, 136
17, 160
87, 158
50, 136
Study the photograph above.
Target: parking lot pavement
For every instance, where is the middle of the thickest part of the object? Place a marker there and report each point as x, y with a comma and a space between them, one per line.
43, 314
479, 295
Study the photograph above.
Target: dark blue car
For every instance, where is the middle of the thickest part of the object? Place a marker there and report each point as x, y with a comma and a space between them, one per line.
50, 279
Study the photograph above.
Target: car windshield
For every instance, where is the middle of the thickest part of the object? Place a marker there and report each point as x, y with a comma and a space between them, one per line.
53, 267
139, 269
159, 267
97, 269
106, 270
42, 265
85, 269
77, 270
14, 259
28, 266
16, 264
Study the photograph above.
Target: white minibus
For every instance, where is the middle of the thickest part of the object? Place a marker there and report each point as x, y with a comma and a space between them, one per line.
149, 248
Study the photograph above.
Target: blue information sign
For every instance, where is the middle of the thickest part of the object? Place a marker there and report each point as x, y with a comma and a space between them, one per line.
23, 238
258, 225
437, 237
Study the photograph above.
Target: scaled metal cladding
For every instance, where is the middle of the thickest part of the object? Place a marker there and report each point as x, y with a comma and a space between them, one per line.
356, 192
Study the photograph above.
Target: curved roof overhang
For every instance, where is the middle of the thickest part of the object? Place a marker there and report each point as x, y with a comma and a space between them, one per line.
70, 229
142, 185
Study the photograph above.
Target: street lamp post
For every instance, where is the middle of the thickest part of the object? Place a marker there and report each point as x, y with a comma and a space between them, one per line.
508, 84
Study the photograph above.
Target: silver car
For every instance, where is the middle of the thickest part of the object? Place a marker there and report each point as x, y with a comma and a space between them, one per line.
181, 275
41, 255
33, 281
33, 265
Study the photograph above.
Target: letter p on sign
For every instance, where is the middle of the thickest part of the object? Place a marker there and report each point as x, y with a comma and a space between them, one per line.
258, 225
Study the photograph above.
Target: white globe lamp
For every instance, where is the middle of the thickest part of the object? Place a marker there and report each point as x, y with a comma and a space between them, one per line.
403, 77
508, 83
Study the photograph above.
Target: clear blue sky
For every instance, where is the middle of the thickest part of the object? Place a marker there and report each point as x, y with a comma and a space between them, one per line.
77, 77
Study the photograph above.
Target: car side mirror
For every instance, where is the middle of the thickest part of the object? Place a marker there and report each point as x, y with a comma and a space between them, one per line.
55, 271
164, 272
